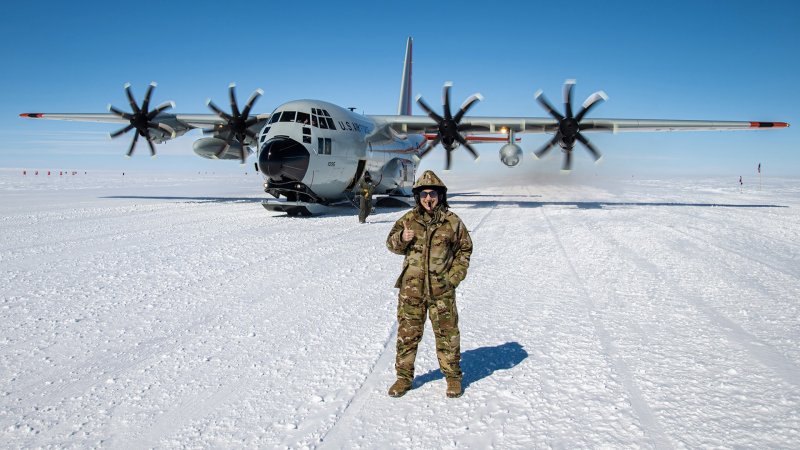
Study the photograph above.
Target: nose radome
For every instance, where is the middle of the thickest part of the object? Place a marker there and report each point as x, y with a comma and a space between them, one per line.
283, 159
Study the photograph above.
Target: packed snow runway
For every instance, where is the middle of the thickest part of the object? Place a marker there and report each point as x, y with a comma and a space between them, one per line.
174, 311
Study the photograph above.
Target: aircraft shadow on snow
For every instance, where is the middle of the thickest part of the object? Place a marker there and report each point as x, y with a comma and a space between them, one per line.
190, 199
472, 199
475, 200
480, 363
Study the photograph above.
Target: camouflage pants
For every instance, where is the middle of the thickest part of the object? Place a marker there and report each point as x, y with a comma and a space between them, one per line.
365, 207
442, 311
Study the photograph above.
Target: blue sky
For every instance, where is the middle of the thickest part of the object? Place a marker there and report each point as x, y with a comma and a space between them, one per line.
707, 60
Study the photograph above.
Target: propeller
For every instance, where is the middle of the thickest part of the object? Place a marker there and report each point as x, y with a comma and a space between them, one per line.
141, 118
569, 126
449, 132
237, 124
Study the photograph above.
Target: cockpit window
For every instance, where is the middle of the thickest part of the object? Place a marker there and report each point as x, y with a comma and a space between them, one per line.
302, 118
274, 118
287, 116
321, 118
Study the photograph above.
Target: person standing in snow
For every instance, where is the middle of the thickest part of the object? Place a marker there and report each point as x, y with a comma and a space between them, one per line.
365, 188
437, 249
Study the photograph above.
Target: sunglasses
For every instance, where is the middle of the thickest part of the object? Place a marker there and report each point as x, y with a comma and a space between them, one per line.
425, 194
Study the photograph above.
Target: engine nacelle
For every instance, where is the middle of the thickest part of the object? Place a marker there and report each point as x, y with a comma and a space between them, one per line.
208, 147
510, 154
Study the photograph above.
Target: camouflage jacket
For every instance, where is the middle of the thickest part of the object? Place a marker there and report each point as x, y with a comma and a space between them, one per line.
437, 258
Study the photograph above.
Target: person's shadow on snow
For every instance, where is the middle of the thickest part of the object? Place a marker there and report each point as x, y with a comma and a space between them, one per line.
480, 363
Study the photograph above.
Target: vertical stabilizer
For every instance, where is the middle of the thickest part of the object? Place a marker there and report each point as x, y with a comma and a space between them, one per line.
404, 106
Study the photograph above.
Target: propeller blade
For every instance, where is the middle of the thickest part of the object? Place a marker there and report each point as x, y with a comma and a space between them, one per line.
219, 112
121, 131
120, 113
567, 161
546, 147
232, 95
251, 134
430, 146
251, 101
547, 106
448, 159
467, 145
590, 102
221, 151
133, 144
164, 127
146, 101
469, 103
446, 100
568, 86
595, 154
436, 117
162, 107
131, 100
243, 154
152, 147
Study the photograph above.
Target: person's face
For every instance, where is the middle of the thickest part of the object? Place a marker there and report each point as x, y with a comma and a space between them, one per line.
429, 199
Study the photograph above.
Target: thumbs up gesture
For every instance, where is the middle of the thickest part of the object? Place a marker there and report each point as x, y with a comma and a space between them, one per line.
408, 233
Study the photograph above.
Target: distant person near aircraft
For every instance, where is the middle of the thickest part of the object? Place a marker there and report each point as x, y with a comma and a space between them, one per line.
365, 189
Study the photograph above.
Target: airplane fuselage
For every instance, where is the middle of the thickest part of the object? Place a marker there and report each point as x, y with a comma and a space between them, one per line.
316, 151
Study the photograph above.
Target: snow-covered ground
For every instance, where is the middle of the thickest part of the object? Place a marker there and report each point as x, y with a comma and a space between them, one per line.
174, 311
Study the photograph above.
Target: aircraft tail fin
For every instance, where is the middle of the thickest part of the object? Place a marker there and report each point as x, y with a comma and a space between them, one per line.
404, 106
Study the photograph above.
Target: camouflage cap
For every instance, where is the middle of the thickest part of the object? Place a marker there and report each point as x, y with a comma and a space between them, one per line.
429, 180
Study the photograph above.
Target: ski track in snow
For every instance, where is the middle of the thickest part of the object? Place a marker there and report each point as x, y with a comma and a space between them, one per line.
627, 314
645, 414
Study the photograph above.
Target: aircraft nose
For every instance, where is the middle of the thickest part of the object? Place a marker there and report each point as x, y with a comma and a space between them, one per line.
283, 159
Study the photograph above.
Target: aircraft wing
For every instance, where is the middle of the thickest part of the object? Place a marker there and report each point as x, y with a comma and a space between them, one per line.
424, 124
181, 123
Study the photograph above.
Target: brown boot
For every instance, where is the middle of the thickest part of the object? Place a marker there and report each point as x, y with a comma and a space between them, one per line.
454, 388
400, 387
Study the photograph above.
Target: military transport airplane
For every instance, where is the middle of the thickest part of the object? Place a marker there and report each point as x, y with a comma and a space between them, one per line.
312, 153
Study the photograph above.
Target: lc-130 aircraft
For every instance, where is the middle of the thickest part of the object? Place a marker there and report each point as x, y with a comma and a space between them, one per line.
312, 153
